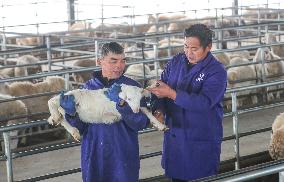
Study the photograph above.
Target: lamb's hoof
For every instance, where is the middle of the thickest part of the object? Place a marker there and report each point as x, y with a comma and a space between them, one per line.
76, 135
161, 127
50, 121
165, 129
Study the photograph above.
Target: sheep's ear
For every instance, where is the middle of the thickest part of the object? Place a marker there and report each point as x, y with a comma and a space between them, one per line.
122, 95
146, 93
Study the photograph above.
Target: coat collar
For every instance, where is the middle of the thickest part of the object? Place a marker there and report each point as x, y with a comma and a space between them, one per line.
201, 64
104, 82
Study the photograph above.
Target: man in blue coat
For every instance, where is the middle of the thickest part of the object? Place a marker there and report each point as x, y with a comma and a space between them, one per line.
109, 152
189, 98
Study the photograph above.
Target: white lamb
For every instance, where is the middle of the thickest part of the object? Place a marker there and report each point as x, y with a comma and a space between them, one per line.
93, 106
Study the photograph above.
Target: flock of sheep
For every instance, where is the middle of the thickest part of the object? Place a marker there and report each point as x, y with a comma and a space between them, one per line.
252, 71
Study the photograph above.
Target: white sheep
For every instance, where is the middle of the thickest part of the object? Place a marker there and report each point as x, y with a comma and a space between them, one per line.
9, 110
138, 72
27, 70
35, 104
241, 54
93, 106
276, 49
271, 71
276, 146
28, 41
78, 29
241, 76
33, 68
222, 57
82, 77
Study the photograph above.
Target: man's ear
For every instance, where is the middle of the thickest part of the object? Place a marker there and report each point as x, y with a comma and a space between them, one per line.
209, 46
99, 61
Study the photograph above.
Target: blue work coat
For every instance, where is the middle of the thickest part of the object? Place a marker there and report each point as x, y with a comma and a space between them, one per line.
192, 145
110, 152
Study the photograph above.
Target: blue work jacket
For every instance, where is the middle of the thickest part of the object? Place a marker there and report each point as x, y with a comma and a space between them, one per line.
192, 145
110, 152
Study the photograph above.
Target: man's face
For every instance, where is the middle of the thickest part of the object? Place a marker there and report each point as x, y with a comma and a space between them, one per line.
112, 65
194, 51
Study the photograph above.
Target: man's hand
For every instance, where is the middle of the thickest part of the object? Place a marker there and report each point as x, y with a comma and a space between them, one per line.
67, 102
113, 91
159, 116
160, 89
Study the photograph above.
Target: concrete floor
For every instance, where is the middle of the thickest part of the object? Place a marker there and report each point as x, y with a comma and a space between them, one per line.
65, 159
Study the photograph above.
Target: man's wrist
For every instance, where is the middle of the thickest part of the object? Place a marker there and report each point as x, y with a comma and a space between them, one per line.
173, 94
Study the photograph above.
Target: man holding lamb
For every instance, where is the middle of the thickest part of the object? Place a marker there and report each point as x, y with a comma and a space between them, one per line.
109, 152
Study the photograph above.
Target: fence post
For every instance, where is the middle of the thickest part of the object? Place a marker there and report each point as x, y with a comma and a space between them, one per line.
236, 130
156, 63
8, 155
281, 176
48, 53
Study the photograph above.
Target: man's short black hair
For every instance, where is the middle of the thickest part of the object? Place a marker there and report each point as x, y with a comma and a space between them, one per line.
111, 47
202, 32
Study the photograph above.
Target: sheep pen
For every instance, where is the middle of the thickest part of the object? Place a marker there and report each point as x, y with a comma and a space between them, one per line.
87, 102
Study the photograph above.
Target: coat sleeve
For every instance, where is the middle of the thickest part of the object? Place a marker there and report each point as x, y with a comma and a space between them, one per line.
135, 121
159, 103
211, 93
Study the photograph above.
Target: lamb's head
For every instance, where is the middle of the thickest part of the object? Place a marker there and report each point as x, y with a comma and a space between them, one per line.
263, 51
132, 95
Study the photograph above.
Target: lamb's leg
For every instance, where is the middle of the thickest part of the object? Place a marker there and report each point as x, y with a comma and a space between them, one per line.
153, 120
72, 130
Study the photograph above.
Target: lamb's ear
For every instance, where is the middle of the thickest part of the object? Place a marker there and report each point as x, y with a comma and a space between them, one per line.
122, 95
146, 93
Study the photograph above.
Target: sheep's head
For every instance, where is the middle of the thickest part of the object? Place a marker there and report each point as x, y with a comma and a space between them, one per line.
266, 54
132, 95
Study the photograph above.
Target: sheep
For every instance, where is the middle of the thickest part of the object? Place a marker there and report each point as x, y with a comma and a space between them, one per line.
87, 102
161, 18
245, 75
79, 29
222, 57
83, 76
272, 70
25, 70
12, 109
138, 72
7, 72
242, 54
28, 41
276, 145
167, 48
133, 53
35, 104
277, 49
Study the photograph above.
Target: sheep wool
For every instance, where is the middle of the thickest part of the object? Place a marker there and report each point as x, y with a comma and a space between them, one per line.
93, 106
